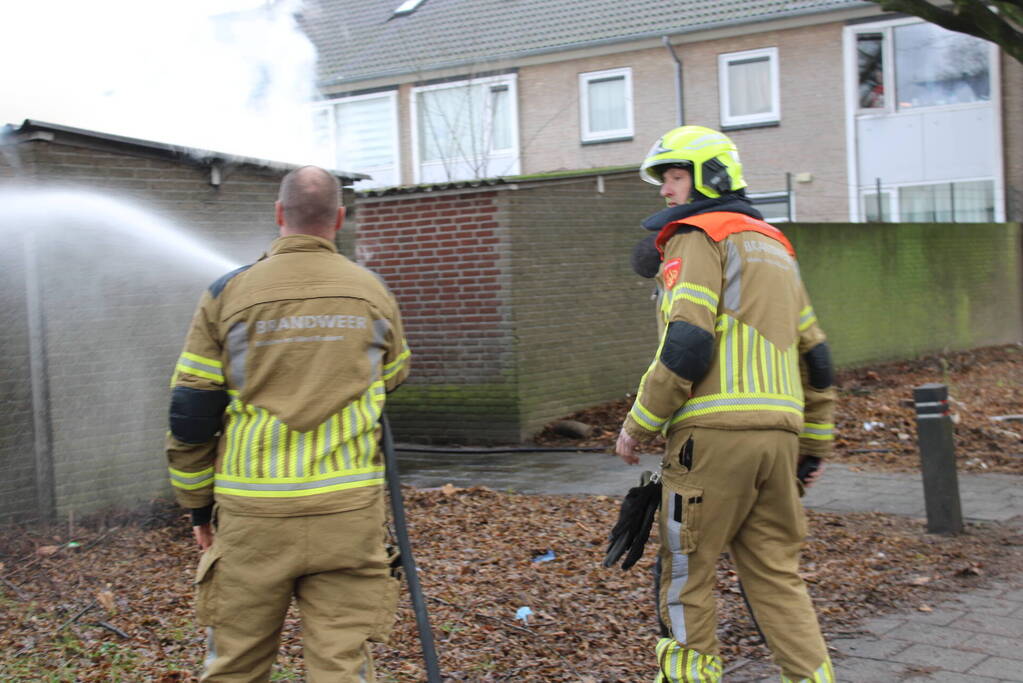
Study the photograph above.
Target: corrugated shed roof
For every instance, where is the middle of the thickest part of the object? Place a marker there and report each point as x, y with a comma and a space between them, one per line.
362, 39
29, 129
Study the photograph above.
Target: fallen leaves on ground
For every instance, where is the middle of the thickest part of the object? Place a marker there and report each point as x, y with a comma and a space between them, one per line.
121, 601
875, 418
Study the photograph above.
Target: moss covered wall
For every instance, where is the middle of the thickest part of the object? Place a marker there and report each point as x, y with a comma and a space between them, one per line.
890, 291
551, 318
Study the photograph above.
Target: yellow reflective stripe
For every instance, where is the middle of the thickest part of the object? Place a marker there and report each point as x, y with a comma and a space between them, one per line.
754, 365
261, 447
288, 452
190, 481
797, 382
822, 431
739, 402
679, 664
321, 436
762, 362
391, 369
308, 452
235, 417
823, 674
335, 443
645, 419
296, 487
734, 360
698, 294
213, 362
806, 318
283, 450
187, 369
200, 366
254, 441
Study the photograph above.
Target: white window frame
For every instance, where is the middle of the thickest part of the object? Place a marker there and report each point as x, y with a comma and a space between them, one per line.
588, 135
771, 116
392, 97
510, 154
854, 113
891, 108
891, 190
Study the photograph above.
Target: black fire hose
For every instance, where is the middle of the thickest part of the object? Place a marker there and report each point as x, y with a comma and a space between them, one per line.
408, 564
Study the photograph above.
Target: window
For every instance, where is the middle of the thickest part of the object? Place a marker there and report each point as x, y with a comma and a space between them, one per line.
360, 134
935, 67
966, 202
971, 201
877, 207
773, 205
465, 130
748, 86
923, 65
870, 66
605, 99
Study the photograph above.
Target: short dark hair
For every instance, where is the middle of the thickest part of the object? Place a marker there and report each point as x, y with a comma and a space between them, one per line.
309, 198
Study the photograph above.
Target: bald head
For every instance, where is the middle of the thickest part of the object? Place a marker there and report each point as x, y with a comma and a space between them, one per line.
308, 203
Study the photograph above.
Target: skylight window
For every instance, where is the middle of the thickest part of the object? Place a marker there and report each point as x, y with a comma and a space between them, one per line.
407, 7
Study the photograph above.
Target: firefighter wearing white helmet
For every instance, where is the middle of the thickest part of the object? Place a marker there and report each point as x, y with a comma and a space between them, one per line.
741, 387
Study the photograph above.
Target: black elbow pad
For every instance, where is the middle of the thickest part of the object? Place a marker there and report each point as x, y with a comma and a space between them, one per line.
196, 415
687, 350
818, 366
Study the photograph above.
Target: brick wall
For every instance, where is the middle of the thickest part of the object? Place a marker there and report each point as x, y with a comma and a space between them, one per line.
446, 259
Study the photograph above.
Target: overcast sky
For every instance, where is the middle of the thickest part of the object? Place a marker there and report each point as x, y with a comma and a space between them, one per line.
161, 70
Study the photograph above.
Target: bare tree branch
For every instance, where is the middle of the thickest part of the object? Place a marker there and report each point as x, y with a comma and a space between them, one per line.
972, 17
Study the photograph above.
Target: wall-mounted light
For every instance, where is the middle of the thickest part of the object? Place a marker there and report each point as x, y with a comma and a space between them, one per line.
216, 174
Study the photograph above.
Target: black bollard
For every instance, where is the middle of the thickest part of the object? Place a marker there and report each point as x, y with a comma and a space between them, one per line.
937, 459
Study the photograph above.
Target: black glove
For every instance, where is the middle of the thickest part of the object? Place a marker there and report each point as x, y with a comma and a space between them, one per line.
807, 466
635, 518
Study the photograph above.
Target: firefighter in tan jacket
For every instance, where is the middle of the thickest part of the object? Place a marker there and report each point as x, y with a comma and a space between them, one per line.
741, 386
273, 419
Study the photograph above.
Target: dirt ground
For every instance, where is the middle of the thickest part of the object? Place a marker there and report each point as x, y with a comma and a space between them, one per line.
875, 420
111, 601
110, 598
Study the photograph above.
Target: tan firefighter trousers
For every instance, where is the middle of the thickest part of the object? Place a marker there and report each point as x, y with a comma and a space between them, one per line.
336, 567
734, 490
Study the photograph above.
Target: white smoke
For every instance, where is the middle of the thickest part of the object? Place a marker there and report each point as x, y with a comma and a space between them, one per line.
233, 77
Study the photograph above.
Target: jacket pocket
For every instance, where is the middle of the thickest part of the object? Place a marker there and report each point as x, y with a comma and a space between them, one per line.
206, 598
682, 509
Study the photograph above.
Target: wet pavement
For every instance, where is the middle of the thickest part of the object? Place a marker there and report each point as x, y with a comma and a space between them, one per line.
975, 635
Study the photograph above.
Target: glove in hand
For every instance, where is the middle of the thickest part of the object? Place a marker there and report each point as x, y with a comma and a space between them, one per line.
807, 467
631, 531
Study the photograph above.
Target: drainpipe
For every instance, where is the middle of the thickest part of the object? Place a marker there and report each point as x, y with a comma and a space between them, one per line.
42, 428
680, 118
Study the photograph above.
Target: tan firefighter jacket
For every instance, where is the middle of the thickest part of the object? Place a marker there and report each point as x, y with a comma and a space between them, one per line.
277, 393
740, 347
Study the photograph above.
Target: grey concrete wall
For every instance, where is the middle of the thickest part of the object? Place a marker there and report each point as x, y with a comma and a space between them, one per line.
116, 300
